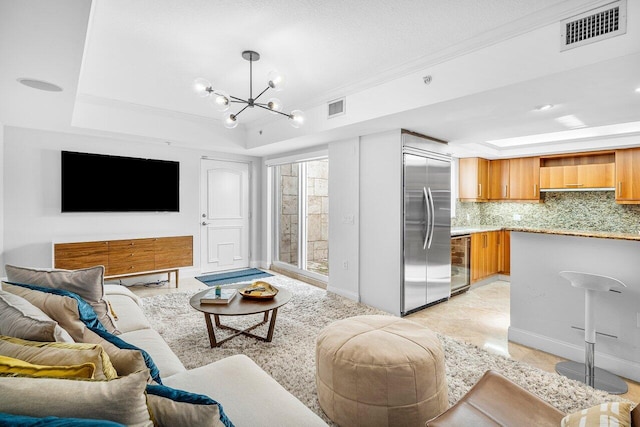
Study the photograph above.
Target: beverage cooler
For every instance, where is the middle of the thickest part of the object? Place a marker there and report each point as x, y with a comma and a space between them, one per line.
460, 263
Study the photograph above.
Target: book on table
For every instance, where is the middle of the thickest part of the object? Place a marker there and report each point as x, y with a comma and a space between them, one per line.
225, 296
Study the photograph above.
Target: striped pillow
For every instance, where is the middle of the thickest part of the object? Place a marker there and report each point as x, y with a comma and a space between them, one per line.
611, 414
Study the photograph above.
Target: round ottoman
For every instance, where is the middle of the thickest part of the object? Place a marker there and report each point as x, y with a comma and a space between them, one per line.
380, 371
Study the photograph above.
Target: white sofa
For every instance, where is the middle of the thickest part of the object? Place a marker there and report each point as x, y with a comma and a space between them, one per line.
249, 396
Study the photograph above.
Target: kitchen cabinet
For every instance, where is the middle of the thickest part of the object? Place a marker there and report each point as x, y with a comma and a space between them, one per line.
484, 254
504, 252
578, 171
490, 254
524, 178
499, 179
473, 182
628, 176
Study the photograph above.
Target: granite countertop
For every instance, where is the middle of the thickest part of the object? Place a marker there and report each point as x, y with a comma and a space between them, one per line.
458, 231
578, 233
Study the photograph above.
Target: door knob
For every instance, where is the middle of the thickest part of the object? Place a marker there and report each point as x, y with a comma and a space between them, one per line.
205, 223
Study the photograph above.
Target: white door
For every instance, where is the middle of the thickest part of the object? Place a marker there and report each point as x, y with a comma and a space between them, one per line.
224, 219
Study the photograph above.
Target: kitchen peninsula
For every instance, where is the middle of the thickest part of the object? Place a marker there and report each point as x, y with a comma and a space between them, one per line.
547, 312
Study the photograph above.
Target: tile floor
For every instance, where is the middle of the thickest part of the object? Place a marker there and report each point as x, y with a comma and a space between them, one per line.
479, 316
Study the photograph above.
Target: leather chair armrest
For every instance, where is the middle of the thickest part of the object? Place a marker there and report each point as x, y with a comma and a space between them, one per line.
497, 401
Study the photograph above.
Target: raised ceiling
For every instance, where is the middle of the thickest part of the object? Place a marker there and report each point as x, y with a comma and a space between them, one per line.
127, 68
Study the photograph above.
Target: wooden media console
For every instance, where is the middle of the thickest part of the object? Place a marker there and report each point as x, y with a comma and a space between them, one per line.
127, 258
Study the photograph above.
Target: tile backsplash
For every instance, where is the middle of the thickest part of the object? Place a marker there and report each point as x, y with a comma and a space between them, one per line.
571, 210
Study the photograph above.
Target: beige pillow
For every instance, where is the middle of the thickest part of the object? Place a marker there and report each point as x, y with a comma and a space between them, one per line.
122, 400
62, 309
86, 282
606, 414
19, 318
171, 407
124, 361
42, 353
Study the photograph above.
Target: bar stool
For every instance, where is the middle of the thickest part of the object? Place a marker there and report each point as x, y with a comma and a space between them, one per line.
587, 372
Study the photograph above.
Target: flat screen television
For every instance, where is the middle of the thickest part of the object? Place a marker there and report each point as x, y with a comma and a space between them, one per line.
104, 183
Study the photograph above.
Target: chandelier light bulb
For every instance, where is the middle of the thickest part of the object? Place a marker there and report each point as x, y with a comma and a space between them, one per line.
296, 118
275, 105
230, 121
202, 87
277, 81
220, 100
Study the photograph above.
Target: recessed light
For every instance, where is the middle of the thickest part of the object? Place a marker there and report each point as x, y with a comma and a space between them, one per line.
638, 89
40, 84
543, 107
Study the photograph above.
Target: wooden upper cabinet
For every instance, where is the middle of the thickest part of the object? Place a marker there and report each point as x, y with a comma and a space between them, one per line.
524, 178
499, 179
473, 179
628, 176
577, 171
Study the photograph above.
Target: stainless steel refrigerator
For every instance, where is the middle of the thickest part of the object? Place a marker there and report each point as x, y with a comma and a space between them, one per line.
427, 229
404, 246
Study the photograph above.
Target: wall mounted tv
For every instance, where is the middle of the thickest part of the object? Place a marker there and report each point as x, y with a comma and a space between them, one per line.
104, 183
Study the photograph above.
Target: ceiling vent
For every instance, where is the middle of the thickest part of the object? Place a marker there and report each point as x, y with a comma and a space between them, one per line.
337, 107
595, 25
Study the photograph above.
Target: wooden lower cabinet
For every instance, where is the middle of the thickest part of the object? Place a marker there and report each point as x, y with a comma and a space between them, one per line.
504, 266
127, 258
490, 254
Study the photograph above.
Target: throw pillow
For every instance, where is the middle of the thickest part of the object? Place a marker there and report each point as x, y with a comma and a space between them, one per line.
122, 400
606, 414
25, 421
70, 311
86, 282
125, 357
81, 321
12, 366
172, 407
55, 353
19, 318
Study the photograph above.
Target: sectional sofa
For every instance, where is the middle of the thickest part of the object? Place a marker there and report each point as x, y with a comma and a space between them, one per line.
246, 395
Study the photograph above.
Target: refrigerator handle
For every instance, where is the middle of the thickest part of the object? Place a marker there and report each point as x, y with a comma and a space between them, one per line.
433, 217
427, 216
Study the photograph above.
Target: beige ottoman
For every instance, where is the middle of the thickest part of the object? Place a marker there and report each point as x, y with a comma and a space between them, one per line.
380, 371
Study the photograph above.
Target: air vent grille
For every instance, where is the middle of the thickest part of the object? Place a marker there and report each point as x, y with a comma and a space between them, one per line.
337, 107
595, 25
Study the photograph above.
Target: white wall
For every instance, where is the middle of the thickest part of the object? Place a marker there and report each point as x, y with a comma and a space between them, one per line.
1, 197
344, 221
380, 237
32, 217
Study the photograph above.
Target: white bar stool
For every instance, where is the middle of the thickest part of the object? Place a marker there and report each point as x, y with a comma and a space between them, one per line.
587, 372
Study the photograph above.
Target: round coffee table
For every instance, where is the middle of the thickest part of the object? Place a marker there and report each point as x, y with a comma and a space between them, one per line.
240, 306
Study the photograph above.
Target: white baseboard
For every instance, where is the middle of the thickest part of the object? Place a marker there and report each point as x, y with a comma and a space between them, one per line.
624, 368
350, 295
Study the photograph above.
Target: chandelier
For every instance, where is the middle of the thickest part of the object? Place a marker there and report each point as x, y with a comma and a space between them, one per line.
222, 101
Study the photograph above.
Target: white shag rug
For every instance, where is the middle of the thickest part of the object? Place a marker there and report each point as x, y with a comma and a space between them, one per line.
290, 357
